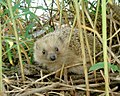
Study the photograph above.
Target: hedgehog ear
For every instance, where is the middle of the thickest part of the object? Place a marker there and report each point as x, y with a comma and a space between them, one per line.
61, 39
36, 45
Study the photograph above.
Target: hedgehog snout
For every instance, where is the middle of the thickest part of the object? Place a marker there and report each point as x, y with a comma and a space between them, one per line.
53, 57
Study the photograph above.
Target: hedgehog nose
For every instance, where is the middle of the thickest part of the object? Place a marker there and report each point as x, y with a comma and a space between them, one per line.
52, 57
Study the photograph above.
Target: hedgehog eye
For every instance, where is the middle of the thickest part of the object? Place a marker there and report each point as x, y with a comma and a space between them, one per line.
56, 49
43, 51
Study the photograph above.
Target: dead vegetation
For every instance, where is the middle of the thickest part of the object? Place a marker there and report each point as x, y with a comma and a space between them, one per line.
40, 82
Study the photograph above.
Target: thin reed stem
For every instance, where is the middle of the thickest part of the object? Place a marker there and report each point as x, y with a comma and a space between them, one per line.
104, 33
1, 87
17, 38
82, 47
61, 12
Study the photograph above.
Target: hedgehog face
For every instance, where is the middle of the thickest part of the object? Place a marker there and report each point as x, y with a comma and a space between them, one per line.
50, 54
48, 49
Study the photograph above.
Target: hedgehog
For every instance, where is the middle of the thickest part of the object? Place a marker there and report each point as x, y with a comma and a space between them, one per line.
54, 49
